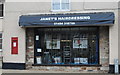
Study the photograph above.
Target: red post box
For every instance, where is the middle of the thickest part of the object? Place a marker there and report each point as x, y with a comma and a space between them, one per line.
14, 45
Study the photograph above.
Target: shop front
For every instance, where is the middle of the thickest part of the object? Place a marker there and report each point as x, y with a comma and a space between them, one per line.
67, 41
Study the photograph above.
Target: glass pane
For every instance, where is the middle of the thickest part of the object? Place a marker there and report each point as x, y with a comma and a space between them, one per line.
65, 1
0, 46
65, 6
56, 1
69, 45
0, 40
0, 35
56, 7
1, 10
56, 4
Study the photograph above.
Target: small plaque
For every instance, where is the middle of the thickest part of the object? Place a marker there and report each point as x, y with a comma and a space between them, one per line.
37, 37
14, 44
38, 60
39, 50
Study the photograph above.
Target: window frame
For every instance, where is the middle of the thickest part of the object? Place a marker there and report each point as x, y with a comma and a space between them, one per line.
1, 42
36, 54
60, 7
2, 10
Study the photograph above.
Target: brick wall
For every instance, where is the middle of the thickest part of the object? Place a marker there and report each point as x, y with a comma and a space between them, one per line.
30, 48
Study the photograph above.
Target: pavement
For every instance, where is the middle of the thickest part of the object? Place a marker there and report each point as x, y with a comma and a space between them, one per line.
38, 72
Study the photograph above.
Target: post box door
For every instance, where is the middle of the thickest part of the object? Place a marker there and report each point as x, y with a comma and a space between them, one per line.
14, 45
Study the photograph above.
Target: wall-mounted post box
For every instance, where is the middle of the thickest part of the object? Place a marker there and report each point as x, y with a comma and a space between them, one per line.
14, 45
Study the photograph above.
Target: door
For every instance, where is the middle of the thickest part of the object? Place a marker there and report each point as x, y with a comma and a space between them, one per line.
66, 46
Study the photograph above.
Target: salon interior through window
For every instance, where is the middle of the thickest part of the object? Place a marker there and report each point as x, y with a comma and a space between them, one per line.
78, 45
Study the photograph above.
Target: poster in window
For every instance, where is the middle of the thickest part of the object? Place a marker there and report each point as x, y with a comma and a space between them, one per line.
53, 44
84, 60
80, 43
38, 59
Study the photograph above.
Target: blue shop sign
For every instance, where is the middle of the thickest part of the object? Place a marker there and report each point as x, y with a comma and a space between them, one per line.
79, 19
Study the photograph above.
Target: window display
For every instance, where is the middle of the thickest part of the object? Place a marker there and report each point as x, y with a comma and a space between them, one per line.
67, 46
57, 60
80, 43
76, 60
53, 44
84, 60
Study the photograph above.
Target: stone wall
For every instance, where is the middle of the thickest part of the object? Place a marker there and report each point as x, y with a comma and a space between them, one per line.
103, 52
104, 47
30, 48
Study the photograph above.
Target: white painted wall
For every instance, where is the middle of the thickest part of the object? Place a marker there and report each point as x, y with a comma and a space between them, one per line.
71, 0
11, 29
113, 40
101, 5
119, 35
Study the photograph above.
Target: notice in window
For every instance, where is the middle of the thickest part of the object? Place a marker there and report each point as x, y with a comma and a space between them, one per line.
39, 50
84, 60
80, 43
38, 60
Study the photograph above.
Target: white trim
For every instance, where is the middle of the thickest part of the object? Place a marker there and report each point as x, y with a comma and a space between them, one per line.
60, 7
59, 10
1, 17
1, 50
60, 4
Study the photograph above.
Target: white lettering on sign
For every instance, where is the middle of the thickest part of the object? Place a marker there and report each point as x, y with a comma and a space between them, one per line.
64, 23
65, 18
49, 18
58, 23
69, 23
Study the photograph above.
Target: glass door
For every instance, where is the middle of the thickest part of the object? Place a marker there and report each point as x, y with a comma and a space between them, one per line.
66, 45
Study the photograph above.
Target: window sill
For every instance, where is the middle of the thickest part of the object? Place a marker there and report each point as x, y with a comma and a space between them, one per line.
59, 10
0, 50
1, 17
89, 65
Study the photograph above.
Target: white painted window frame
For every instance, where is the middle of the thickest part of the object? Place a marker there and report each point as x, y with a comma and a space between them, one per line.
60, 6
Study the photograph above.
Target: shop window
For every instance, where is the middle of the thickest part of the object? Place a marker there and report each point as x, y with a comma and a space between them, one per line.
60, 5
1, 10
67, 46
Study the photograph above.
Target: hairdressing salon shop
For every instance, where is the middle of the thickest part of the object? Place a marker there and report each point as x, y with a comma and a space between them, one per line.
67, 41
61, 36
